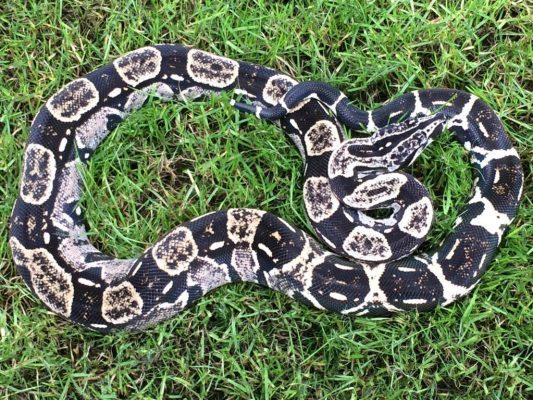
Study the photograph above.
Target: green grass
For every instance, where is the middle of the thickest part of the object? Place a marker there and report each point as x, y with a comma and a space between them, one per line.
171, 162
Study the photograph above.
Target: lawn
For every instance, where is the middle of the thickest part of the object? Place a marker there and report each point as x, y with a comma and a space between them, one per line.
170, 162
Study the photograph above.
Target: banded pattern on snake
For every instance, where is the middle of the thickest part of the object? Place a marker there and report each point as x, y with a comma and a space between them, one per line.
368, 268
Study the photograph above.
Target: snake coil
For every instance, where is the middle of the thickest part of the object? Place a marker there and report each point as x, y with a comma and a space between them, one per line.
368, 270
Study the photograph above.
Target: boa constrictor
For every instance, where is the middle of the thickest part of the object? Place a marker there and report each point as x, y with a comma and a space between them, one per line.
368, 270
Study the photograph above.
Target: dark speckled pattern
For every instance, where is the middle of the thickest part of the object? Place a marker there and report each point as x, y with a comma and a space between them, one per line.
370, 271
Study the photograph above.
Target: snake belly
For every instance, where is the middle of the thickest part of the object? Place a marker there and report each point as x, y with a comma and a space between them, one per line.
367, 269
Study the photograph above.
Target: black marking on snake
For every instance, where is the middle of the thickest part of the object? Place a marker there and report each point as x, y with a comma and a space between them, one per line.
371, 270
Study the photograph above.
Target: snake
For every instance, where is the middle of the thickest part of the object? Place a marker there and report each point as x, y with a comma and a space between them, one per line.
354, 261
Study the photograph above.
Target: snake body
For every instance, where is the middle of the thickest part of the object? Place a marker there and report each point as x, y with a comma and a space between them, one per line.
368, 268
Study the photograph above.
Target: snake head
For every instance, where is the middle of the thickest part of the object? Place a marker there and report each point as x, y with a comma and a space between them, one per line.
363, 176
389, 148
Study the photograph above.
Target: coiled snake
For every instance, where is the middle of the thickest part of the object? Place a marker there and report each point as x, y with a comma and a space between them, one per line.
368, 269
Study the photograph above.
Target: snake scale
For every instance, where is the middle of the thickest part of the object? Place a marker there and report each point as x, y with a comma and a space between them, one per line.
368, 269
